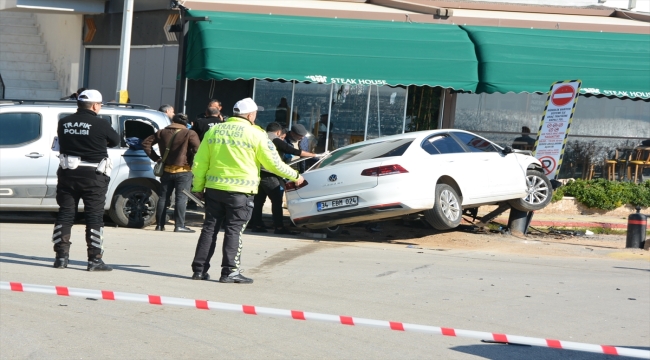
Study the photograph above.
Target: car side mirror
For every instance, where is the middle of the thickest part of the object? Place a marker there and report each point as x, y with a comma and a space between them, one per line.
507, 150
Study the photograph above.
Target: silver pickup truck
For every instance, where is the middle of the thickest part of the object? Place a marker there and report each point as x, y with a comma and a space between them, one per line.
28, 164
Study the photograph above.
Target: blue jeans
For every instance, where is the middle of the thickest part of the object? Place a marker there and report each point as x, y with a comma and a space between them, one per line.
168, 183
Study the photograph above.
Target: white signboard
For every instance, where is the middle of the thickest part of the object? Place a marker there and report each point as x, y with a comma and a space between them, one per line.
554, 128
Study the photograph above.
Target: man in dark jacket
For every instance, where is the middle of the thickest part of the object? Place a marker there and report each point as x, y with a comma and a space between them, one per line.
202, 125
178, 169
273, 186
83, 174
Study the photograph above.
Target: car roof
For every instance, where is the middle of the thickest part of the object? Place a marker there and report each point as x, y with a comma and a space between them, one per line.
125, 109
416, 135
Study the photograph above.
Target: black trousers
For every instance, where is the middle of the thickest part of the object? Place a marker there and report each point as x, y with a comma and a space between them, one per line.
233, 210
273, 187
80, 183
168, 183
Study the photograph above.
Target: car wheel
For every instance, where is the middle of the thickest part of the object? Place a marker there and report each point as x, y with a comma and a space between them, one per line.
539, 192
333, 231
447, 210
134, 206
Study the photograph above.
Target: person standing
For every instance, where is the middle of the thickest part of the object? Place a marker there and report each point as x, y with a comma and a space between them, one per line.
273, 186
202, 125
167, 110
83, 174
226, 174
182, 144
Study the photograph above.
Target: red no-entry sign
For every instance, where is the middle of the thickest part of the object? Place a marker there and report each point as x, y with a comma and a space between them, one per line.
563, 95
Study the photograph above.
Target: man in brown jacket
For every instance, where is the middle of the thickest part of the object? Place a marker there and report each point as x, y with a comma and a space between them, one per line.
177, 175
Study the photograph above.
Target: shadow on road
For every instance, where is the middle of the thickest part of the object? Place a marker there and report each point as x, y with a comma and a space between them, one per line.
48, 263
629, 268
509, 352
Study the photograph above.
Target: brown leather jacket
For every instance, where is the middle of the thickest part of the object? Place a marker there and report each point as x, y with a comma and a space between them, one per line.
181, 153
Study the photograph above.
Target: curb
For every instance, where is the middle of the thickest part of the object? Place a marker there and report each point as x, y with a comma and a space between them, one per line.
573, 224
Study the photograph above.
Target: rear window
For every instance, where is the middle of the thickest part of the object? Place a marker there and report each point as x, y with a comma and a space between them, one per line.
365, 152
442, 144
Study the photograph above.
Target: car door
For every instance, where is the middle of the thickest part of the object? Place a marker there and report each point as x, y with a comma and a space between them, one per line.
448, 157
25, 147
500, 172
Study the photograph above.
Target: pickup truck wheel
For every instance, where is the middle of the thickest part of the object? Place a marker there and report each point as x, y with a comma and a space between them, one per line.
134, 206
540, 192
447, 210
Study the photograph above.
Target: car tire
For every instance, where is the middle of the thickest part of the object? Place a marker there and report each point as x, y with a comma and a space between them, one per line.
540, 192
447, 210
333, 231
134, 207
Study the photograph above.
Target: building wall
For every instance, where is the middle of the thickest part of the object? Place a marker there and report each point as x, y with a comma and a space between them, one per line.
62, 35
152, 73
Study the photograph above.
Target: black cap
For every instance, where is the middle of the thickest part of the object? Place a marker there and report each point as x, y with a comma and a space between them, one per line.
299, 129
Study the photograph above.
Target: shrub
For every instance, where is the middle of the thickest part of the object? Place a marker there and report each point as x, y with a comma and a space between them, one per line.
607, 195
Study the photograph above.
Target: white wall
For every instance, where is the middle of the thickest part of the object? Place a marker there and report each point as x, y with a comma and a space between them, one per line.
62, 35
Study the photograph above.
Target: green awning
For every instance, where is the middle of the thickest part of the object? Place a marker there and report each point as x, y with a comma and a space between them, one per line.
529, 60
245, 46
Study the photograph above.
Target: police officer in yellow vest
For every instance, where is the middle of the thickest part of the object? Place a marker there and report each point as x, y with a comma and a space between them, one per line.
226, 175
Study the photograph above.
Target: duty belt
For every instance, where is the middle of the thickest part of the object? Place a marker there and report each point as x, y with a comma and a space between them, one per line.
86, 163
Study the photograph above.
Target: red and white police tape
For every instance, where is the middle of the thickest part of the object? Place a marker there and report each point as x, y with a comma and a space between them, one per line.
301, 315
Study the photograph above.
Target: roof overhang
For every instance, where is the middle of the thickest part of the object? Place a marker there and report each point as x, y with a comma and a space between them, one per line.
57, 7
598, 19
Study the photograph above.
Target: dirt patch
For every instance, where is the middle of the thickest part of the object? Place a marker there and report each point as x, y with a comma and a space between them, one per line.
420, 237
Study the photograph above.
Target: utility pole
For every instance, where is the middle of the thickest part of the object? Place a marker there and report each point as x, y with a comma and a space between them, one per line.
182, 28
125, 53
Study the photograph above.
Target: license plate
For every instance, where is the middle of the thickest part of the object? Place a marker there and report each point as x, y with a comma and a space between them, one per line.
338, 203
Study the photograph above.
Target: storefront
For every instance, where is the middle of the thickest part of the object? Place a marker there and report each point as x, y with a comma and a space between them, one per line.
517, 65
358, 80
352, 79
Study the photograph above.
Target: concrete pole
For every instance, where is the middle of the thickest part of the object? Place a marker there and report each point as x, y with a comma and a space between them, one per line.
125, 53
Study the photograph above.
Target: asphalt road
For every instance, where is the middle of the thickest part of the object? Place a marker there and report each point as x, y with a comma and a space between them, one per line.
599, 301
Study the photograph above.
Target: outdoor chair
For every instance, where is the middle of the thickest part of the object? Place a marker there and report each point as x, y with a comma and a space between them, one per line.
640, 160
610, 167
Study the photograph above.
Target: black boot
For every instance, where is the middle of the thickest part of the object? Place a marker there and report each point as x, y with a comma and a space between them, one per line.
200, 276
61, 262
98, 265
235, 277
61, 240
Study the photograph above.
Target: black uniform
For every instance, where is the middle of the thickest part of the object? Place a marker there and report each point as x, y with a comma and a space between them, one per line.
272, 186
85, 135
202, 125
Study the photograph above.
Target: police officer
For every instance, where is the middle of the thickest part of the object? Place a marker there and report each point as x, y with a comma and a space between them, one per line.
83, 138
227, 168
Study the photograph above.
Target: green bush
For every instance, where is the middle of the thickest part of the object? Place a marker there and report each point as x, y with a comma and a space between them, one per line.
558, 194
606, 195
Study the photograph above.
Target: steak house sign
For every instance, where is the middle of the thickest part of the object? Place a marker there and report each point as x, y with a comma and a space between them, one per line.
323, 79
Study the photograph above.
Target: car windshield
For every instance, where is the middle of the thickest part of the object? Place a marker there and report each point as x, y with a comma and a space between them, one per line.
366, 151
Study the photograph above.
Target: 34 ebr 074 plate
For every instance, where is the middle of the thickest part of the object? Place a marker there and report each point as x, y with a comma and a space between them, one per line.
338, 203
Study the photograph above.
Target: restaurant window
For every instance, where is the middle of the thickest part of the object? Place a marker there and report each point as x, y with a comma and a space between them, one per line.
311, 104
386, 111
600, 126
275, 97
349, 109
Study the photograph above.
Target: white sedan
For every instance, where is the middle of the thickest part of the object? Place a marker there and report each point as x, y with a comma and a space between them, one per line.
437, 173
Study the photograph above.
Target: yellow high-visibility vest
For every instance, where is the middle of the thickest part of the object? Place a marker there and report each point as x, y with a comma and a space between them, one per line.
230, 156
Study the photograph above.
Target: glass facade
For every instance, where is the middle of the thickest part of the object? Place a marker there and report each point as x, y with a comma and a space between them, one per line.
337, 115
600, 126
